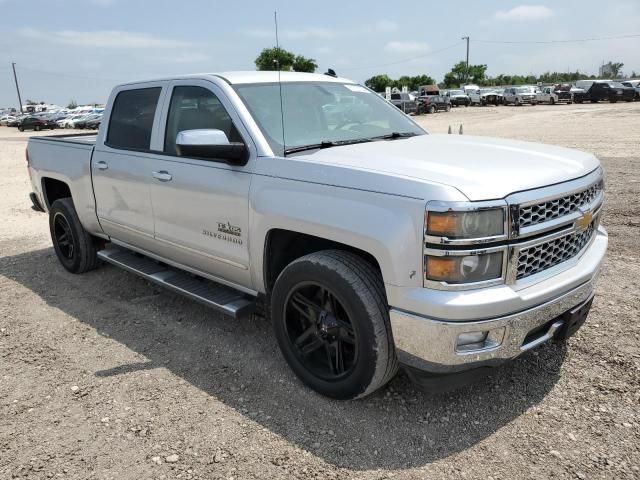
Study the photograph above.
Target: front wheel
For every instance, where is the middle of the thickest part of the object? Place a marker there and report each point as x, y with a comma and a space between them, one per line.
448, 108
21, 128
331, 320
74, 246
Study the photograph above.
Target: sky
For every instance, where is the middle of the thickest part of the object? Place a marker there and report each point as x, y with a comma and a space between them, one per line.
80, 49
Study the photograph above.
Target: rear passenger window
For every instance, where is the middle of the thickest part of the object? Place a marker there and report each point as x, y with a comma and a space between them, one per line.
194, 108
132, 119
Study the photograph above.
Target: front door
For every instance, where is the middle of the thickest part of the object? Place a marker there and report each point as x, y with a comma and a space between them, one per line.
120, 166
200, 206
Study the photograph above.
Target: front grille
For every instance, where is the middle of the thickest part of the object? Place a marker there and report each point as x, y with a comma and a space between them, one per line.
542, 212
545, 255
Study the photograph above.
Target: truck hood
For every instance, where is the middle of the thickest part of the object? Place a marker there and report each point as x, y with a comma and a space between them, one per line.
482, 168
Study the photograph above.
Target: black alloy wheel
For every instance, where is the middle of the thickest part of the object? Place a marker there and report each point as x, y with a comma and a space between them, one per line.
63, 236
320, 331
74, 246
331, 321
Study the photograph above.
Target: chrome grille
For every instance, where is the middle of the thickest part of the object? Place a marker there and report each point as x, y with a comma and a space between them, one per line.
545, 255
542, 212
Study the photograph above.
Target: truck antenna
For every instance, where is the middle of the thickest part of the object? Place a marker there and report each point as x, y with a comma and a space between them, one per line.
275, 20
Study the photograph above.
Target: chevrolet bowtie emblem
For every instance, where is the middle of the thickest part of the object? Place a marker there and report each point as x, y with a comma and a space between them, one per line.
584, 221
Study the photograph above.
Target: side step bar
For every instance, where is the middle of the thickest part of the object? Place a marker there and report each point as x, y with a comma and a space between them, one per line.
222, 298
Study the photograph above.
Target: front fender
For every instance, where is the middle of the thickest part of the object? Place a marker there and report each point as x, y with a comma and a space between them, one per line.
388, 227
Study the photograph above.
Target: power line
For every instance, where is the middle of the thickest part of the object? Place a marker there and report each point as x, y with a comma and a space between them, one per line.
67, 75
580, 40
405, 59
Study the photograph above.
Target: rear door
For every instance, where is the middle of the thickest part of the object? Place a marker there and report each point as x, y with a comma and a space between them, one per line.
201, 206
120, 165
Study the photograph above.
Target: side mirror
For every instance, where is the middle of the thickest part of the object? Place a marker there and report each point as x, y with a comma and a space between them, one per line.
211, 143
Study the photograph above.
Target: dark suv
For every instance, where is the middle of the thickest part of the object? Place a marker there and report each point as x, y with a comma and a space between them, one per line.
35, 123
433, 103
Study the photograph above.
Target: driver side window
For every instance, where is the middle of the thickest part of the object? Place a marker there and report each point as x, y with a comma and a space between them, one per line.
194, 108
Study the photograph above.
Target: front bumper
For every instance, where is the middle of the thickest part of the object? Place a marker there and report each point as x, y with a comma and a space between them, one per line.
431, 344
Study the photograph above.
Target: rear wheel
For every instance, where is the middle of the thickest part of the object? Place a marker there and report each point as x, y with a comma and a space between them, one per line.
21, 128
331, 321
552, 101
448, 108
75, 248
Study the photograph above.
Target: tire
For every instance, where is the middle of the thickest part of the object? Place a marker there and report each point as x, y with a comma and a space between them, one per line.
36, 128
75, 248
517, 103
447, 108
21, 128
353, 314
552, 101
432, 109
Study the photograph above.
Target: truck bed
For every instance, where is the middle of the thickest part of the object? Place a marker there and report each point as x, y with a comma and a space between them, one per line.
78, 138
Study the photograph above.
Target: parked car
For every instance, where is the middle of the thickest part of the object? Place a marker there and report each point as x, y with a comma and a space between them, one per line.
373, 245
458, 97
81, 123
35, 123
15, 120
433, 104
5, 119
635, 84
485, 96
598, 90
628, 93
67, 122
94, 123
404, 102
520, 96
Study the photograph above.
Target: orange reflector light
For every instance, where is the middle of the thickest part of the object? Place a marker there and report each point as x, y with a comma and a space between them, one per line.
443, 224
441, 268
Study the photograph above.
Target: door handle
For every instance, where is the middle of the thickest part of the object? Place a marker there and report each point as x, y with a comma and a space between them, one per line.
162, 175
102, 165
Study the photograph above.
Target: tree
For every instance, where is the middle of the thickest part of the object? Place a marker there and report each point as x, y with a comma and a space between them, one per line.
378, 83
458, 75
72, 104
616, 69
277, 58
303, 64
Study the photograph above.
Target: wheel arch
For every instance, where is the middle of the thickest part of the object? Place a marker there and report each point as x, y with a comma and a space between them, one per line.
283, 246
54, 189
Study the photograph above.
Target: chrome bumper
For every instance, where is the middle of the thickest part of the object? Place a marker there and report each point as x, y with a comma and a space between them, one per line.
431, 345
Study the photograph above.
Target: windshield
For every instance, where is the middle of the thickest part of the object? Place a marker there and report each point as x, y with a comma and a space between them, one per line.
456, 92
523, 90
317, 113
615, 85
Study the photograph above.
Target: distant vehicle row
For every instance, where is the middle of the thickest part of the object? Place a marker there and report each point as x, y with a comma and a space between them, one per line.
45, 121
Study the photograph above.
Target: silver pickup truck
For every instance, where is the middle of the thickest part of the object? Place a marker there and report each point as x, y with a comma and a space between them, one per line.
371, 243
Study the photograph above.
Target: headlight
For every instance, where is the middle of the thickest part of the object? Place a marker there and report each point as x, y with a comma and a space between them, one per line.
466, 225
456, 269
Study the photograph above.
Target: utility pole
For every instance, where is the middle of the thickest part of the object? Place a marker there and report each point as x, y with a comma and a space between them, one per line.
15, 77
466, 73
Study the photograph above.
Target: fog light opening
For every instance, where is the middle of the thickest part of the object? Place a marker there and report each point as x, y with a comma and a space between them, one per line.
482, 340
471, 340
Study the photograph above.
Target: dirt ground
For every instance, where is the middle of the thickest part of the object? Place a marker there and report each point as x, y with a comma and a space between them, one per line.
104, 376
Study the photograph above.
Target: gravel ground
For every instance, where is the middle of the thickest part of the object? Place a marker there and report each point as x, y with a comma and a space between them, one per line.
104, 376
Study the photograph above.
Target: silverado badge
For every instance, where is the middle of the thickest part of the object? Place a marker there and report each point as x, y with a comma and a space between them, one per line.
226, 232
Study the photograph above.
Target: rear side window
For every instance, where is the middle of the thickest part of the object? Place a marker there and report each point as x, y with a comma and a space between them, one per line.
132, 118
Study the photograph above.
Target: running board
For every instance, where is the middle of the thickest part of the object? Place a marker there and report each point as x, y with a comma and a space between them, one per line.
224, 299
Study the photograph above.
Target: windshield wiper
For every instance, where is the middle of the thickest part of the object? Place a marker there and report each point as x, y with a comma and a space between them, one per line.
325, 144
394, 135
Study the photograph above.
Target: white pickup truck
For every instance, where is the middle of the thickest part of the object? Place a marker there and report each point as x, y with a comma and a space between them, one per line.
372, 243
